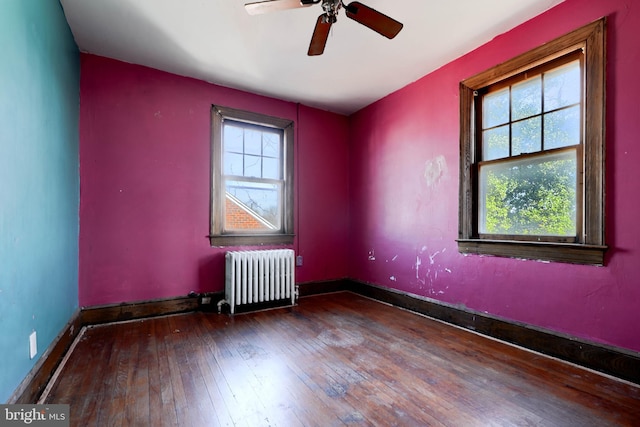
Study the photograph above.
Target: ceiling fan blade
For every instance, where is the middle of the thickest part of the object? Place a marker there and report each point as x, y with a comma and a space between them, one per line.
320, 36
266, 6
378, 22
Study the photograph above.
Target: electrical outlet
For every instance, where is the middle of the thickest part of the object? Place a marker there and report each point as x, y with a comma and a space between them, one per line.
206, 300
33, 345
299, 261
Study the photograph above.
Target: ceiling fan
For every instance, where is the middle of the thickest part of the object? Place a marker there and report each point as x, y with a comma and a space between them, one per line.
357, 11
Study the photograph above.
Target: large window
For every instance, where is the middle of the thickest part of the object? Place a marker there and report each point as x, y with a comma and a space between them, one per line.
532, 153
252, 178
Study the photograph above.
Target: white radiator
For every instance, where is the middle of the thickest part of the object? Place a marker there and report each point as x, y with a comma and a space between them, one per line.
259, 276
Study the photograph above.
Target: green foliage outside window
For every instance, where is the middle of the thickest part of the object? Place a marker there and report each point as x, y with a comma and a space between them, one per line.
531, 198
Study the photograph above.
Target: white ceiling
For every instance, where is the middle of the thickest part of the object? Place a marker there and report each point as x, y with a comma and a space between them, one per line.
218, 42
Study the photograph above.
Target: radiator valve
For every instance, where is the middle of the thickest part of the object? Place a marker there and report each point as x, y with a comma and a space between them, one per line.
220, 304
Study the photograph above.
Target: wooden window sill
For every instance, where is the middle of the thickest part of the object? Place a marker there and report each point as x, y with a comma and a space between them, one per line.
574, 253
251, 239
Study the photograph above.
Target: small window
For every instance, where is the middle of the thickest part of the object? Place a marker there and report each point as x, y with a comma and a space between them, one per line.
252, 176
532, 154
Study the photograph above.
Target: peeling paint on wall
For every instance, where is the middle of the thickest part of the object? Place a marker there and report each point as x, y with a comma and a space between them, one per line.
434, 170
372, 255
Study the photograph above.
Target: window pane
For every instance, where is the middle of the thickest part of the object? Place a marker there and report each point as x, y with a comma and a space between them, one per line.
271, 168
495, 108
253, 205
233, 136
562, 128
526, 98
253, 166
495, 143
233, 164
271, 145
562, 86
526, 136
530, 196
252, 141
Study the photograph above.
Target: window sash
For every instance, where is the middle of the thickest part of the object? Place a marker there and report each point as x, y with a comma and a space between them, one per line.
529, 161
505, 126
542, 114
243, 152
256, 185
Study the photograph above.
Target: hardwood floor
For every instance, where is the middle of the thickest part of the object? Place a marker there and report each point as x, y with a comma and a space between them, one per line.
333, 360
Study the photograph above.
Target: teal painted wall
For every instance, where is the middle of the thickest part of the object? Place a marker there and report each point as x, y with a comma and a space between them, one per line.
39, 181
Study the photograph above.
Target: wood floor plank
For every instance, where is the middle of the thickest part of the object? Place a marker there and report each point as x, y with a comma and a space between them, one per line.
213, 378
136, 410
161, 403
333, 360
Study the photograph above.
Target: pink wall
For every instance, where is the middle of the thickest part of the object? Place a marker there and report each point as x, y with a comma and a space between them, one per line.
144, 168
404, 194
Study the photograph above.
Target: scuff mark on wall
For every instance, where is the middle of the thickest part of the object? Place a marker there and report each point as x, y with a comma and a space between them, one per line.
598, 290
427, 273
432, 257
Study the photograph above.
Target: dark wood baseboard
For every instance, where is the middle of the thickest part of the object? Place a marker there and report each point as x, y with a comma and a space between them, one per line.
35, 382
326, 287
139, 310
613, 361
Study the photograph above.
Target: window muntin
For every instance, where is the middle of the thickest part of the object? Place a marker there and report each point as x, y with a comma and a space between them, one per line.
527, 188
253, 168
558, 105
252, 178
